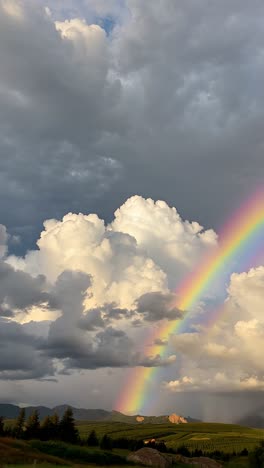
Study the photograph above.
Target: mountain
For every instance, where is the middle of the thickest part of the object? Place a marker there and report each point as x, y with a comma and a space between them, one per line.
11, 412
82, 414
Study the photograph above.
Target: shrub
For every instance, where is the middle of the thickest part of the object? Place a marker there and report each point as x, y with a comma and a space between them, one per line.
92, 439
106, 443
256, 458
78, 453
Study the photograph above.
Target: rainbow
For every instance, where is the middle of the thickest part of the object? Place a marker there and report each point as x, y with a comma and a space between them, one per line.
236, 237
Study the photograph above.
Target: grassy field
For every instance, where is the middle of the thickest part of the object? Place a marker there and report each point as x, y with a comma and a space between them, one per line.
208, 437
19, 452
14, 453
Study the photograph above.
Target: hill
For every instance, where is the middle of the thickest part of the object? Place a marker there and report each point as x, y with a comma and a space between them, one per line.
81, 414
17, 451
207, 437
12, 411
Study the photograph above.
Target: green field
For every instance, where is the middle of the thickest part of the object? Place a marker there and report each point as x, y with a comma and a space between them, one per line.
208, 437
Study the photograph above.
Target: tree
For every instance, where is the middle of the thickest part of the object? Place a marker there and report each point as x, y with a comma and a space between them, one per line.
92, 439
49, 429
55, 423
33, 426
67, 429
244, 452
2, 429
106, 443
46, 429
55, 420
256, 458
19, 427
183, 450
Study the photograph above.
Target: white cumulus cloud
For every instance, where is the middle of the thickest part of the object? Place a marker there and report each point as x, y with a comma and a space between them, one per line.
228, 356
143, 250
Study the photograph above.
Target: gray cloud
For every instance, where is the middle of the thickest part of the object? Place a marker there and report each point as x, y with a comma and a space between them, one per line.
3, 240
74, 125
19, 290
70, 338
100, 317
111, 348
78, 338
161, 342
156, 306
20, 356
92, 320
54, 104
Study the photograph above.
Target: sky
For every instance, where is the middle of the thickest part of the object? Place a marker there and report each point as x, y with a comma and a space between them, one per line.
129, 131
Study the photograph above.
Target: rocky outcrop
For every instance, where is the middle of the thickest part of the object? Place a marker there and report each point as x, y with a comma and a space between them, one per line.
140, 418
175, 419
199, 462
150, 457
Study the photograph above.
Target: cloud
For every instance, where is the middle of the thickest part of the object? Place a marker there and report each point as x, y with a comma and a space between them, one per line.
141, 111
157, 306
13, 8
84, 339
19, 292
105, 282
220, 383
45, 156
21, 357
92, 287
163, 234
3, 240
227, 357
127, 258
161, 342
92, 320
179, 385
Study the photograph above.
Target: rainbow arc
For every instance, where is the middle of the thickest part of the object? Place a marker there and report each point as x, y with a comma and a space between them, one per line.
237, 235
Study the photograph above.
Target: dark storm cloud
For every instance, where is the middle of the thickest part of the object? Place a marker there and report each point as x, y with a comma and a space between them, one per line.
70, 338
92, 320
200, 71
108, 348
19, 290
74, 125
99, 318
156, 306
3, 240
53, 107
20, 357
84, 339
79, 338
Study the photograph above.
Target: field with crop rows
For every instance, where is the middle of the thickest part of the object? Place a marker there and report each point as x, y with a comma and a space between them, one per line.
208, 437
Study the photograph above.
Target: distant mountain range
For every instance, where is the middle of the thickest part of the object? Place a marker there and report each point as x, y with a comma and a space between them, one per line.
81, 414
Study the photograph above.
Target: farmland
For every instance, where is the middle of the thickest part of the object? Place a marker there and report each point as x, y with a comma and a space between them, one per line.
208, 437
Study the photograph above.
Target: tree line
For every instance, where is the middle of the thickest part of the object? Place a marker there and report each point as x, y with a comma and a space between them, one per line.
51, 428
